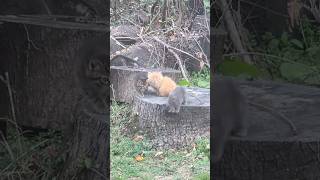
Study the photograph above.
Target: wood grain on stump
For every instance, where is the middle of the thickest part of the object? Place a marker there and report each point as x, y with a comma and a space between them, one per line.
168, 130
89, 143
42, 77
270, 151
122, 81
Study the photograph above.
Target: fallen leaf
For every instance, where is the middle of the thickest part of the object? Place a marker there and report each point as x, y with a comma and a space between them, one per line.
138, 138
138, 158
158, 153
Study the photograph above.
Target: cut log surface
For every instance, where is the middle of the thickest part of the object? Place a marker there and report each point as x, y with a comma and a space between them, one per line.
170, 130
270, 151
122, 81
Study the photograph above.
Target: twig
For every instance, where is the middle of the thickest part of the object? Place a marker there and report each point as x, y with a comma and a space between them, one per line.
207, 62
11, 97
28, 38
46, 7
117, 42
233, 31
53, 23
3, 80
180, 64
168, 46
13, 113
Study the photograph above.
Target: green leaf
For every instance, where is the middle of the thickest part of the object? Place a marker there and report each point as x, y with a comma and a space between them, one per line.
183, 82
237, 68
297, 43
274, 44
314, 50
284, 39
203, 84
294, 72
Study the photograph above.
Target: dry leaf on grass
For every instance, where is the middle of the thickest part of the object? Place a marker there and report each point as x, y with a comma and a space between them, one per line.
138, 158
138, 138
158, 153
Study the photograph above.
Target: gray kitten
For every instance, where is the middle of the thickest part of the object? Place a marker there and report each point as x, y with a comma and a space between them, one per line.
229, 107
176, 98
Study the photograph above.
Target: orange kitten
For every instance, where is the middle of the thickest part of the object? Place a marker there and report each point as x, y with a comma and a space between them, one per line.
163, 84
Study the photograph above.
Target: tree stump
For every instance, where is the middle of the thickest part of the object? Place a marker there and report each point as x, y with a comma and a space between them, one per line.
122, 81
168, 130
42, 74
88, 156
270, 151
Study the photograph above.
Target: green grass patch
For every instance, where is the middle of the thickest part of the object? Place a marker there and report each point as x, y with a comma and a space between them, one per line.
169, 163
198, 79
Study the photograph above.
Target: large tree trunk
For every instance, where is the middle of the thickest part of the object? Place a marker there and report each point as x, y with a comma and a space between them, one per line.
41, 64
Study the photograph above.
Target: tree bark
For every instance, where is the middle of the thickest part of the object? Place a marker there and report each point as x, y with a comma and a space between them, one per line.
122, 81
168, 130
270, 151
89, 153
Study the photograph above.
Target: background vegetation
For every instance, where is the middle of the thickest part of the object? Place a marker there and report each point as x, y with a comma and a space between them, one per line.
291, 56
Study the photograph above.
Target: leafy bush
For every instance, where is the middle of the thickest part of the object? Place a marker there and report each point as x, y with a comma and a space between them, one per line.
292, 56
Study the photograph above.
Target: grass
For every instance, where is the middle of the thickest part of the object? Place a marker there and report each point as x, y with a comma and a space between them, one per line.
192, 163
30, 158
39, 156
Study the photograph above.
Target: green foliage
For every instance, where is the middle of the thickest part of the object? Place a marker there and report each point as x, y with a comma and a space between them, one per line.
31, 158
202, 176
184, 82
207, 5
298, 57
203, 147
295, 72
201, 79
236, 67
124, 149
